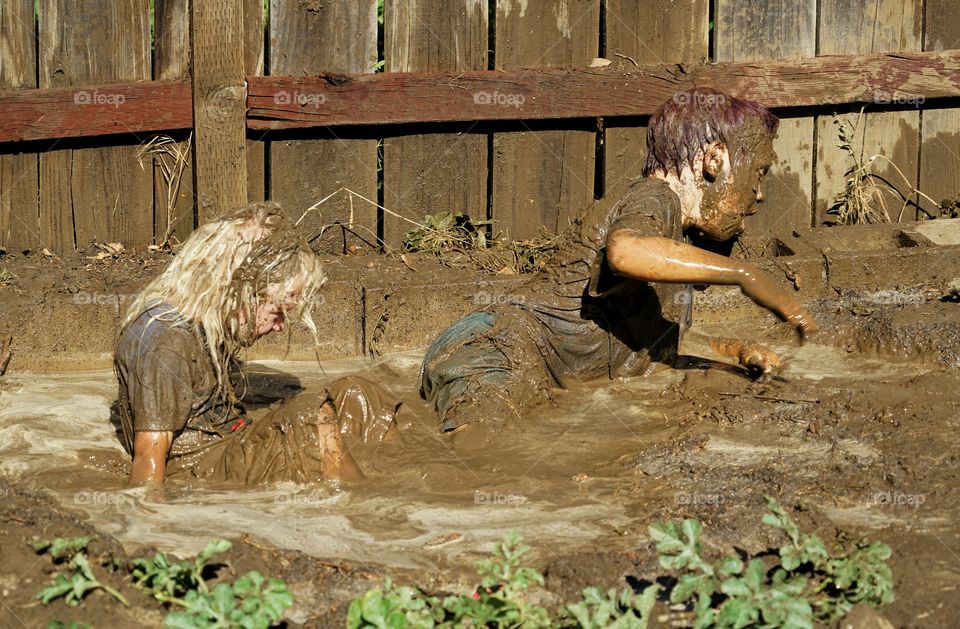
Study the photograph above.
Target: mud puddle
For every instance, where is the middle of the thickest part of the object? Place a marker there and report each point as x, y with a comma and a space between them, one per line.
422, 505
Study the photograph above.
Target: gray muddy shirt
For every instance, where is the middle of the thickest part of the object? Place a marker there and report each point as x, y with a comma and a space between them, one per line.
167, 382
588, 322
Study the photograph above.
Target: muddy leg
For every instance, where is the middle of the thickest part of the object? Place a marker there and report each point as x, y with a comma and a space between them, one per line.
337, 462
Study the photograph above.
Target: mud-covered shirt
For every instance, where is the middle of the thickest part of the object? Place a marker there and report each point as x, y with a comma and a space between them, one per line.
167, 382
589, 322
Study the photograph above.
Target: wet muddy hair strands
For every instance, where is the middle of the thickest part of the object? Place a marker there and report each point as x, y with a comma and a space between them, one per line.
224, 267
682, 126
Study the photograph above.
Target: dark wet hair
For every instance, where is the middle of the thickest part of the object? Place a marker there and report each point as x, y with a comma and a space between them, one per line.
692, 119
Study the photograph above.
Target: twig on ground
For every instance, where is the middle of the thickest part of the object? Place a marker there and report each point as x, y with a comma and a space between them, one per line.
6, 352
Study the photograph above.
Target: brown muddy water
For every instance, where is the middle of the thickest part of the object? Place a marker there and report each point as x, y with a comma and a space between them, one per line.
861, 445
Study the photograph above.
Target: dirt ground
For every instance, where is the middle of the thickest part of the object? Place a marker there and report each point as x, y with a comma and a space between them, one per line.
853, 455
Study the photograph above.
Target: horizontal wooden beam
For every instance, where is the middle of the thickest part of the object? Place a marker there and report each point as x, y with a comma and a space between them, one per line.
904, 79
99, 110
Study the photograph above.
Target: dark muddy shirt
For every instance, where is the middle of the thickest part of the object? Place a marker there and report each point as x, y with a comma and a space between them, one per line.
588, 322
167, 382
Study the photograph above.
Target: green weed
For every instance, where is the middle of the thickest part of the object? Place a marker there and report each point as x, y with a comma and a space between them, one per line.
245, 603
251, 602
800, 585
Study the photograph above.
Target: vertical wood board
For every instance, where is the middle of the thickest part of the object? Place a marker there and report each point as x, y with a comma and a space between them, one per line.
434, 173
312, 37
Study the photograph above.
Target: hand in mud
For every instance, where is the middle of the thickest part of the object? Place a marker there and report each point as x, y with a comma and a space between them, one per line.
802, 321
764, 292
759, 360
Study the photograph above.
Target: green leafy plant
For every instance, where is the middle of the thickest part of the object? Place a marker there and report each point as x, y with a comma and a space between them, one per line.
447, 232
74, 585
251, 602
245, 603
500, 600
809, 585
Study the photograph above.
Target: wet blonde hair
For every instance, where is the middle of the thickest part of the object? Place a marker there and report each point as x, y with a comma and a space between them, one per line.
227, 267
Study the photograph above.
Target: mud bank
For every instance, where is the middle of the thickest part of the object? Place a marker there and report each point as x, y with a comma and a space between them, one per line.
63, 313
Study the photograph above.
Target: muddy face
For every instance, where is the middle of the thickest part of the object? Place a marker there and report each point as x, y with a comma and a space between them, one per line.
734, 193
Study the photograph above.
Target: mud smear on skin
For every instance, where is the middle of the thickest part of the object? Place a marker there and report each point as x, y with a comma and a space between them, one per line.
856, 440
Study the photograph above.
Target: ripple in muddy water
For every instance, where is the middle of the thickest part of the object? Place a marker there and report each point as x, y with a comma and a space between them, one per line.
422, 502
560, 477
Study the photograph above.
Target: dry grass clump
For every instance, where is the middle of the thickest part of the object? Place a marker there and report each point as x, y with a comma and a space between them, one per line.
171, 158
867, 196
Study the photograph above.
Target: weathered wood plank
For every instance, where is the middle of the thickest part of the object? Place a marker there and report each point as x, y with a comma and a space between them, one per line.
552, 93
940, 144
540, 178
219, 140
651, 32
254, 45
548, 94
433, 173
91, 110
342, 38
108, 195
754, 30
172, 63
19, 197
866, 26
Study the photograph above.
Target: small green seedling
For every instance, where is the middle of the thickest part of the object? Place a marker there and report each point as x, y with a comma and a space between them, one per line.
75, 585
246, 603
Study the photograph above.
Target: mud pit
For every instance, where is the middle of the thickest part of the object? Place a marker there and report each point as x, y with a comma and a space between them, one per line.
858, 432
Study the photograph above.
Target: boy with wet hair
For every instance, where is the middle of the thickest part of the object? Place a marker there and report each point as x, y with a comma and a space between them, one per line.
608, 301
234, 281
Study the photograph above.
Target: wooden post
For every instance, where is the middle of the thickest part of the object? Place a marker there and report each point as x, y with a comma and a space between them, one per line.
753, 30
314, 37
429, 174
654, 31
857, 27
543, 178
940, 147
19, 205
219, 106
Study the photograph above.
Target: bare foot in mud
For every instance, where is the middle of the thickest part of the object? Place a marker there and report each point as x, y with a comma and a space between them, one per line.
337, 461
757, 359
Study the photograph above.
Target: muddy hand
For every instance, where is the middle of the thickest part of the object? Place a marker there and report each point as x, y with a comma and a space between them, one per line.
802, 321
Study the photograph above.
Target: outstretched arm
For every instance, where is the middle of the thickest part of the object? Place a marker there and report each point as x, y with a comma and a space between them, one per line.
658, 259
150, 450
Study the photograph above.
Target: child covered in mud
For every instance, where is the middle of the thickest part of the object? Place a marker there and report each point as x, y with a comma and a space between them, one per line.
607, 303
234, 281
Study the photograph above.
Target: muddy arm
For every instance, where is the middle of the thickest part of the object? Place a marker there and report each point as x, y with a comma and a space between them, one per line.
656, 259
150, 450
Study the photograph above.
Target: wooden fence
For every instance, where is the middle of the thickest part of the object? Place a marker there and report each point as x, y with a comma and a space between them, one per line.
529, 151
